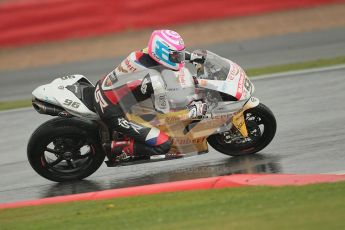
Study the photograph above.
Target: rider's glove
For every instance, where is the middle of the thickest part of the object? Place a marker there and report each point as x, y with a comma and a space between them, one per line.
198, 56
197, 109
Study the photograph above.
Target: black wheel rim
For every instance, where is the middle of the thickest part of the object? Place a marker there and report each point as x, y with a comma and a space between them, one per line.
256, 131
68, 155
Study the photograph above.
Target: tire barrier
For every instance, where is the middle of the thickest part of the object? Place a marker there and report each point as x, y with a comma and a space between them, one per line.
32, 21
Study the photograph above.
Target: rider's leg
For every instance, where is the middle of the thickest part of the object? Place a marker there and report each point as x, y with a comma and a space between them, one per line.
144, 140
139, 141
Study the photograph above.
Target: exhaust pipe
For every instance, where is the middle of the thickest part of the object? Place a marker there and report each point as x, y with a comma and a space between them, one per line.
49, 109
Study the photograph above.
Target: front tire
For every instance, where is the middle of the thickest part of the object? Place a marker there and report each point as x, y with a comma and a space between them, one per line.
65, 149
261, 125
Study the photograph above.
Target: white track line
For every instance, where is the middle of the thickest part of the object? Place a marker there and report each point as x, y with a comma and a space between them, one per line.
298, 72
336, 173
16, 110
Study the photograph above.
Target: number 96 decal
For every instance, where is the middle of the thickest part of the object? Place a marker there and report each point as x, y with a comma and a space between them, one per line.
71, 103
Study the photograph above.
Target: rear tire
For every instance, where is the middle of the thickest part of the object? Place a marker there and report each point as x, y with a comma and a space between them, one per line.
261, 125
65, 149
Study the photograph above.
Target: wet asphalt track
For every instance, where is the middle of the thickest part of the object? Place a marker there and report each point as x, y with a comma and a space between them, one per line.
310, 112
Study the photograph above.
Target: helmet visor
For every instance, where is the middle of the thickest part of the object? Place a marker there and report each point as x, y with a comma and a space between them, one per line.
177, 56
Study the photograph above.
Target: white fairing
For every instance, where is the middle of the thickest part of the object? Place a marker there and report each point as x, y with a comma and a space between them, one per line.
56, 93
236, 84
222, 75
253, 102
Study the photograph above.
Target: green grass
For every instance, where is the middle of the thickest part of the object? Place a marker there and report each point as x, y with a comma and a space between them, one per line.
5, 105
311, 207
296, 66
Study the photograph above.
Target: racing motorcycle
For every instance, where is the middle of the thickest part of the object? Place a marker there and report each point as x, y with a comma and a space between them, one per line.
70, 146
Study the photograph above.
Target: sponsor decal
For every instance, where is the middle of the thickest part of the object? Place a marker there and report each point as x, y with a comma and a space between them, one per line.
121, 69
99, 99
144, 85
130, 67
222, 116
173, 89
108, 82
127, 124
247, 85
187, 141
182, 78
220, 108
234, 71
240, 85
230, 77
171, 119
111, 79
68, 77
162, 101
123, 123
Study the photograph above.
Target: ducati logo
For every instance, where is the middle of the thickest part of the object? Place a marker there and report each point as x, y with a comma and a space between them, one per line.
99, 99
123, 123
144, 85
127, 125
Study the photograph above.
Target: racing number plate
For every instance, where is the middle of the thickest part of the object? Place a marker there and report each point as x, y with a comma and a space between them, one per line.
239, 122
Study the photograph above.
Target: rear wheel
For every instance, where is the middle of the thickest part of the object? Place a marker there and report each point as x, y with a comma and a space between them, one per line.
261, 125
64, 151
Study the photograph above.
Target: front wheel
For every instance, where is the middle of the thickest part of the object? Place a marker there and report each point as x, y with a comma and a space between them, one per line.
65, 149
261, 125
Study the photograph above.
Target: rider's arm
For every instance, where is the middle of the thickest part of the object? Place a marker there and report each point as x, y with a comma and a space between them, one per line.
161, 102
197, 108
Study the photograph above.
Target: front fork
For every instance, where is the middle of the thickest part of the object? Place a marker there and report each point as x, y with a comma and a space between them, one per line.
238, 119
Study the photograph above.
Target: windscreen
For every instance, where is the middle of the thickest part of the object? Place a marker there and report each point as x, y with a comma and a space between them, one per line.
214, 67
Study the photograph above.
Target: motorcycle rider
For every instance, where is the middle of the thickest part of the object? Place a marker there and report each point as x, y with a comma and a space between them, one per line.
165, 48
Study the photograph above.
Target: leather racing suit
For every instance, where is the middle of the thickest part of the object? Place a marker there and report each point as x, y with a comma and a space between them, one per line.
110, 103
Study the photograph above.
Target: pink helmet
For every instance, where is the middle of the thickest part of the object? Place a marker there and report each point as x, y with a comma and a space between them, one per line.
167, 48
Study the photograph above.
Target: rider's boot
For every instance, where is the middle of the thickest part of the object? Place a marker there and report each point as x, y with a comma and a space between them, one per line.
174, 152
119, 150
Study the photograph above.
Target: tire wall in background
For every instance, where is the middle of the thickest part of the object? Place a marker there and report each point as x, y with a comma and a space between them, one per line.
33, 21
